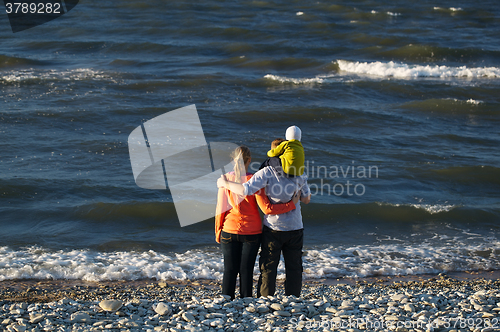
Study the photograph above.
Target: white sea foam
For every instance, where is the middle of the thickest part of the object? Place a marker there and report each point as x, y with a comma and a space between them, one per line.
34, 262
284, 79
402, 70
347, 70
400, 259
388, 13
430, 208
305, 80
433, 209
474, 102
54, 75
452, 9
468, 101
388, 257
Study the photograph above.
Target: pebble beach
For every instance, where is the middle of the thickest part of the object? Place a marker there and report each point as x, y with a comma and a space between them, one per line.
436, 303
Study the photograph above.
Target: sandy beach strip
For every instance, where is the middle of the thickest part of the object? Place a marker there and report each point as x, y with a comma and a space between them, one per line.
468, 301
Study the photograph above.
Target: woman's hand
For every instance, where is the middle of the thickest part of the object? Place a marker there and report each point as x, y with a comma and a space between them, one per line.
234, 187
221, 182
296, 197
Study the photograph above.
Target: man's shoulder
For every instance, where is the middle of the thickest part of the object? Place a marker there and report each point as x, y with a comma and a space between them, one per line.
266, 171
277, 172
263, 174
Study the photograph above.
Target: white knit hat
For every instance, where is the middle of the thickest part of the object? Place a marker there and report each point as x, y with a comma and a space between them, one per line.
293, 132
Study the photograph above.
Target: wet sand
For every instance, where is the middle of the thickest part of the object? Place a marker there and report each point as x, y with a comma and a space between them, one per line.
34, 290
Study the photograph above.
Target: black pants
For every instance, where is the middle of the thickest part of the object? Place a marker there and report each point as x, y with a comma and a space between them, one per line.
273, 243
239, 253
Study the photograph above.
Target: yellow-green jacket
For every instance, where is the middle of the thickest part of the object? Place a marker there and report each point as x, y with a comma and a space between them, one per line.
292, 156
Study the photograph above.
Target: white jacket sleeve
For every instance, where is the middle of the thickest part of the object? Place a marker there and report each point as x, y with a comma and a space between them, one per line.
257, 182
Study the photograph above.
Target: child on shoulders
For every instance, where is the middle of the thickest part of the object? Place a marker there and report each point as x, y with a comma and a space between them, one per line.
290, 152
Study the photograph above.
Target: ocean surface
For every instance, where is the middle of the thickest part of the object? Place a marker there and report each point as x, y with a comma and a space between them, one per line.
398, 102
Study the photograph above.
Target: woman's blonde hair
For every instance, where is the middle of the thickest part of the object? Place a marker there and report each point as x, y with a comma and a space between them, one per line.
241, 155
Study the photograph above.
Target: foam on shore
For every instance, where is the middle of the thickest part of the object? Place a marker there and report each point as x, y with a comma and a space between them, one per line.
388, 257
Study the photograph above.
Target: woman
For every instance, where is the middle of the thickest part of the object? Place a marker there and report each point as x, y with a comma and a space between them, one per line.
238, 226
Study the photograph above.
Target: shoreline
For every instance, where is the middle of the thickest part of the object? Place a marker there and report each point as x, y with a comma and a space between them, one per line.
42, 290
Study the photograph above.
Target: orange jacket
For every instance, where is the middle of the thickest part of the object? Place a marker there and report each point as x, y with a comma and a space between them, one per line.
244, 218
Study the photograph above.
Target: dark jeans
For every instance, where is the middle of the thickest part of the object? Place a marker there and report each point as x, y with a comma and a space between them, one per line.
239, 253
273, 243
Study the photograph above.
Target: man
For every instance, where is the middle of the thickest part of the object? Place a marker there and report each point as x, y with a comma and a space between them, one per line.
281, 233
